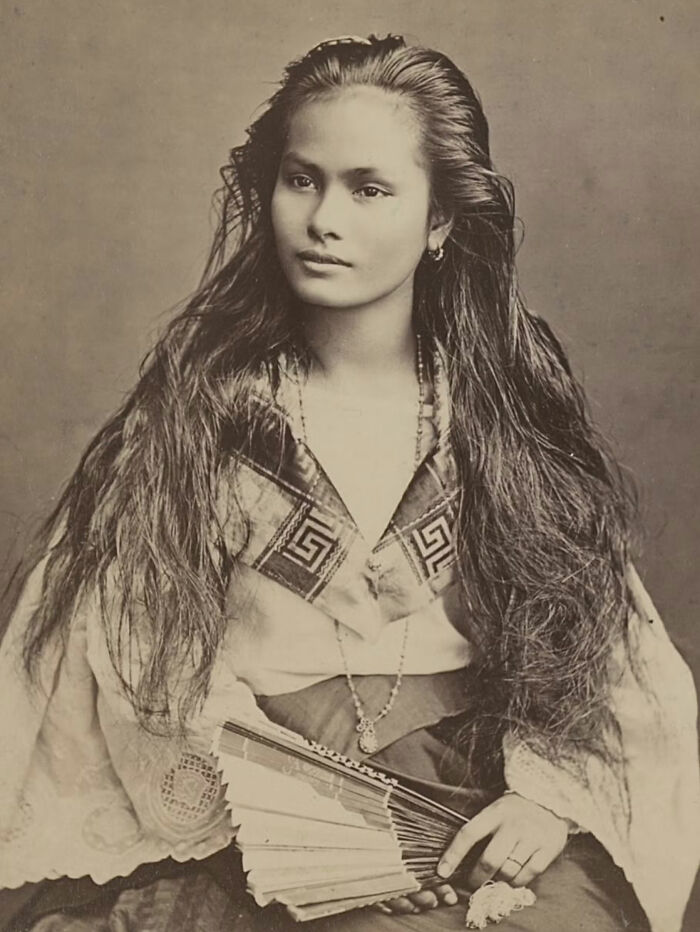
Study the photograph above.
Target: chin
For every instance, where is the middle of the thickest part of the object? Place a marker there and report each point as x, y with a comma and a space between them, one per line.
322, 295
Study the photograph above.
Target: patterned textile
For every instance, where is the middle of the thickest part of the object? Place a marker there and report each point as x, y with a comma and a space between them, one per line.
304, 538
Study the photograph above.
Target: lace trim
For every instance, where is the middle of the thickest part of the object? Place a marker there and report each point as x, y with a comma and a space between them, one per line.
97, 830
101, 837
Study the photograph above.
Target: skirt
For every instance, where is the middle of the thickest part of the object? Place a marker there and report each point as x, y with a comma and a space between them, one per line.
582, 891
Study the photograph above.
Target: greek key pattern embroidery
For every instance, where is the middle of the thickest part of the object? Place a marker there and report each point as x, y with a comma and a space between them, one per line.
311, 542
434, 545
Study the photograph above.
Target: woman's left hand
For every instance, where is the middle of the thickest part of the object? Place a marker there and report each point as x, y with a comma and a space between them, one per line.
525, 839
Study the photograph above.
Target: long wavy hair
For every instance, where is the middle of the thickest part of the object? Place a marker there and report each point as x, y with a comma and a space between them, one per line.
544, 514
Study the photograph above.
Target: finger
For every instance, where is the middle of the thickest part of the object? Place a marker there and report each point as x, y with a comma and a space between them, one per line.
514, 863
510, 869
425, 899
482, 825
538, 863
446, 895
401, 905
493, 857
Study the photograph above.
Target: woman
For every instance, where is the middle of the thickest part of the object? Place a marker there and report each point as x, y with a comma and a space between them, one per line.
453, 601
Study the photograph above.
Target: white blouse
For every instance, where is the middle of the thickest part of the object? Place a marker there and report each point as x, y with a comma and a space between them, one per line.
85, 790
368, 449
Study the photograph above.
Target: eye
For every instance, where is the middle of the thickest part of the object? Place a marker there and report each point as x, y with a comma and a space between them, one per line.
371, 191
301, 182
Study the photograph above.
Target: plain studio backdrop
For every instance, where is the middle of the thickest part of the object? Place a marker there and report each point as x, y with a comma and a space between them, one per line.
116, 115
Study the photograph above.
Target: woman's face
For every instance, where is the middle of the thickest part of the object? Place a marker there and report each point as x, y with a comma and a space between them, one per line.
351, 204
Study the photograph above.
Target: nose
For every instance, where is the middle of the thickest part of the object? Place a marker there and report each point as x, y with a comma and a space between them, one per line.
325, 221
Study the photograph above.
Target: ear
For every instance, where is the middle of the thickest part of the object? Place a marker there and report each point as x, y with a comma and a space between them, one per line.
439, 229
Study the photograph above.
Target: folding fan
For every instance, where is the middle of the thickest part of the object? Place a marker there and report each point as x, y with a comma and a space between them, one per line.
321, 833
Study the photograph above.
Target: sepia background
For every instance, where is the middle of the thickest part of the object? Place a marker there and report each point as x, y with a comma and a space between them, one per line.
116, 115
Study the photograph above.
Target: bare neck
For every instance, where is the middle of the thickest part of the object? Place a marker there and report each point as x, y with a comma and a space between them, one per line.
364, 350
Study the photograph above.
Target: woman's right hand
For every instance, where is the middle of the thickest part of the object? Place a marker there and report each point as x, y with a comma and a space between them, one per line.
443, 895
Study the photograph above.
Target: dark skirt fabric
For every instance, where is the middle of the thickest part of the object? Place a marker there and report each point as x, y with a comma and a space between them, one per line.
582, 891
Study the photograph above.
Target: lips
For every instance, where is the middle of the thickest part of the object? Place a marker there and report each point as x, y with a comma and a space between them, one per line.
323, 258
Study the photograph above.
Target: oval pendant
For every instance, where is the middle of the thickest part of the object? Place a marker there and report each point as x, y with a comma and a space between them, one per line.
368, 740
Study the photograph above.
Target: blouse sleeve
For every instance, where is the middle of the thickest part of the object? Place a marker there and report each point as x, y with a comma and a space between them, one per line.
84, 790
651, 826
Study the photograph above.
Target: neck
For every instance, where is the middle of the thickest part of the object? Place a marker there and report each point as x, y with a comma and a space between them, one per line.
367, 349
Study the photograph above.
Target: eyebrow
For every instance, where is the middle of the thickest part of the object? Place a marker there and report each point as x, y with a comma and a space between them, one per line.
352, 173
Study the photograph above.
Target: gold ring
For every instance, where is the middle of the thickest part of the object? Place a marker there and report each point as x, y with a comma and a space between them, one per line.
519, 863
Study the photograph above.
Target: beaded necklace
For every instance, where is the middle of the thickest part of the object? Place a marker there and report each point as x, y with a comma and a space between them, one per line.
367, 739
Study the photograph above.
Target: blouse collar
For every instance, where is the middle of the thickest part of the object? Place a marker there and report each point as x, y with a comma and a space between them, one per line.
300, 533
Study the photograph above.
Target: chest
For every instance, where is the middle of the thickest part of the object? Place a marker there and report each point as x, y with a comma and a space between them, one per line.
369, 451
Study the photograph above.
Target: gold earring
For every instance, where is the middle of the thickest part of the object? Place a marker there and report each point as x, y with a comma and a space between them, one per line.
438, 254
